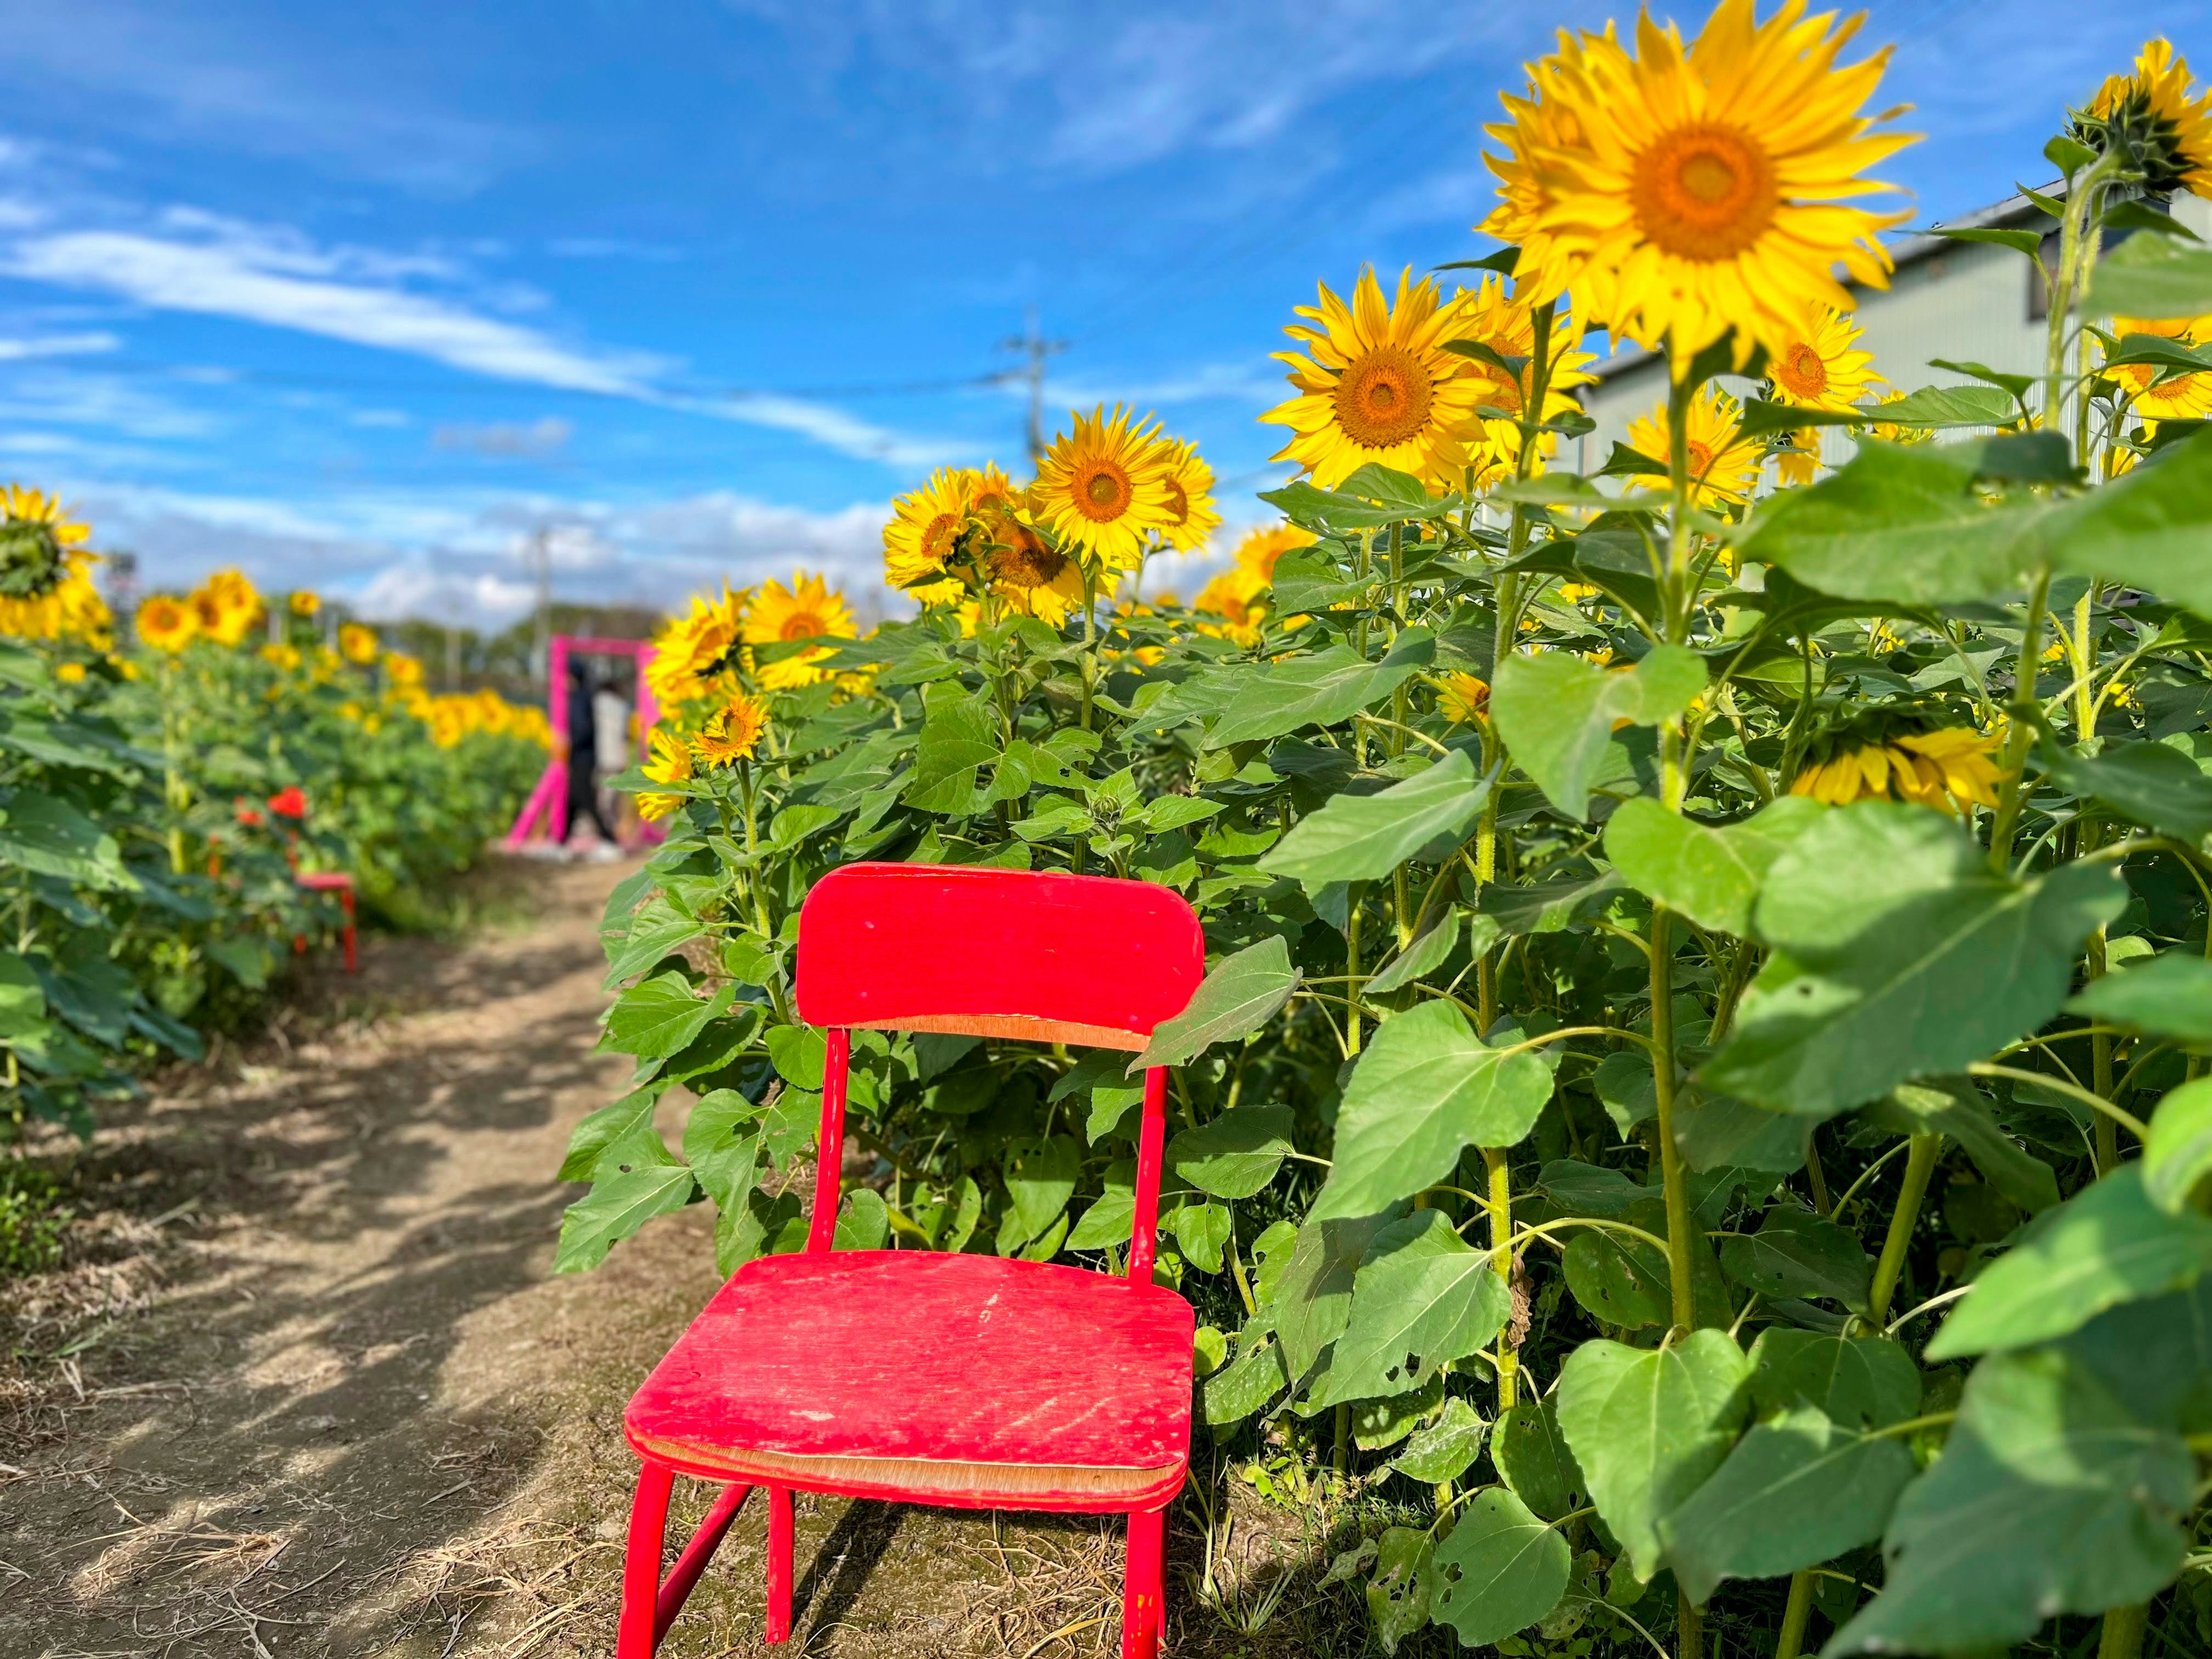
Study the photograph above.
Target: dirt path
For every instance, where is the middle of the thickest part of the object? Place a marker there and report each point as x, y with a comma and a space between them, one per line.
307, 1389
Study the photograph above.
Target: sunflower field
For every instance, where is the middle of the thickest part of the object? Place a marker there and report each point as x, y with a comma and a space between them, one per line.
1695, 1131
158, 801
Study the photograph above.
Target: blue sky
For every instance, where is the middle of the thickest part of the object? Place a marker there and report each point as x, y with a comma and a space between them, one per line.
361, 297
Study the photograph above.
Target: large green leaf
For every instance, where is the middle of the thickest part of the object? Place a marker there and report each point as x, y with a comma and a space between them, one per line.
1649, 1425
2051, 1497
1235, 1155
2150, 275
610, 1126
1897, 524
1426, 1089
1533, 1459
1359, 837
1956, 1109
1798, 1254
2178, 1154
1500, 1570
659, 1016
2109, 1243
619, 1204
1421, 1299
1314, 1298
1897, 954
1243, 994
1858, 1381
1619, 1278
1446, 1448
1398, 1594
2159, 788
1557, 711
49, 837
722, 1145
959, 733
2147, 528
1710, 874
1794, 1492
1322, 689
1040, 1180
2168, 996
22, 998
655, 930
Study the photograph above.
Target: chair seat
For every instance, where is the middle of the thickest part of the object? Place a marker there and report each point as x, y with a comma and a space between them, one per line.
960, 1380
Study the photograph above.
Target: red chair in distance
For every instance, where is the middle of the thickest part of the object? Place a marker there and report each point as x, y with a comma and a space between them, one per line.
963, 1381
338, 882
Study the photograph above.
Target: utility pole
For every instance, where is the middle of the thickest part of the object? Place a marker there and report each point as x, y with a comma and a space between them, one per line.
1036, 348
541, 561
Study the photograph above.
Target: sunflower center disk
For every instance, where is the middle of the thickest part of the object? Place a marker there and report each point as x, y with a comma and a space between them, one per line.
1106, 495
1700, 457
802, 625
1801, 371
1384, 398
1703, 192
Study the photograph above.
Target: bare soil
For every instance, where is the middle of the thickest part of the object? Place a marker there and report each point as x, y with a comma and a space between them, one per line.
305, 1385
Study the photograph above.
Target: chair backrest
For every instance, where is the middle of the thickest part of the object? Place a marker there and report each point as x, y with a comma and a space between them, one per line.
1038, 957
1009, 953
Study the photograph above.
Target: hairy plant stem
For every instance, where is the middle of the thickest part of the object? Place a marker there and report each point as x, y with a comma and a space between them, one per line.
1678, 1232
1501, 1263
1689, 1627
1354, 980
2022, 728
2075, 260
1796, 1615
1919, 1165
2122, 1635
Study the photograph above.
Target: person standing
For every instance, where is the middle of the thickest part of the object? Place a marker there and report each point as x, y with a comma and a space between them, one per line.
584, 764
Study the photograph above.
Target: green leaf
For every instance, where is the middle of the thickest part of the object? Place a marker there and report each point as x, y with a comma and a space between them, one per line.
1040, 1180
1425, 1089
1500, 1570
2158, 787
1793, 1493
51, 837
659, 1016
1422, 1299
2148, 527
1428, 951
1619, 1279
655, 930
1556, 712
1796, 1255
2178, 1153
2051, 1497
247, 960
1956, 1109
1242, 994
863, 1221
2029, 242
616, 1207
1314, 1299
1236, 1154
1446, 1448
1371, 498
22, 996
722, 1146
1714, 1132
1648, 1426
1306, 580
2107, 1244
2168, 996
1379, 1424
1398, 1594
1359, 837
959, 733
1866, 1382
610, 1126
1897, 954
1547, 907
1322, 689
1762, 419
1533, 1459
800, 1054
1588, 1190
1952, 405
1251, 1381
1711, 875
2152, 276
1201, 1233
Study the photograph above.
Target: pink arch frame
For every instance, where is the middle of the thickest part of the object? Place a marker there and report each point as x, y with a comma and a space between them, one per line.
550, 799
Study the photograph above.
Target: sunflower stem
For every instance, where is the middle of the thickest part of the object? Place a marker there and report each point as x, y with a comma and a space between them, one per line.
1501, 1236
1919, 1165
1680, 1282
2021, 724
1795, 1616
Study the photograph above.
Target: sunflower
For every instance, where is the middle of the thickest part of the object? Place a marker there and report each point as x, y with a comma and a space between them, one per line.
670, 762
1191, 517
1236, 596
1723, 462
1025, 569
166, 624
1260, 548
1102, 490
731, 732
1461, 698
1543, 121
690, 650
1379, 385
1819, 365
46, 583
2178, 397
1488, 315
1798, 460
403, 669
284, 657
924, 533
304, 602
1704, 187
807, 610
1948, 768
2155, 117
357, 642
1888, 431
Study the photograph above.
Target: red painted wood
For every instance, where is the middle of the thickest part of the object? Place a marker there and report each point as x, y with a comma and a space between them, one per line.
636, 1635
779, 1564
921, 946
1144, 1584
1152, 1139
910, 1355
829, 1148
676, 1588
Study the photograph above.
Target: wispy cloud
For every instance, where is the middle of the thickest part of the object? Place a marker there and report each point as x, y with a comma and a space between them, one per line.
506, 439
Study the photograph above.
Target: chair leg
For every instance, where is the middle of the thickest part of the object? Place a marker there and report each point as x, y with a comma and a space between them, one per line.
779, 1564
684, 1574
1144, 1584
352, 952
635, 1637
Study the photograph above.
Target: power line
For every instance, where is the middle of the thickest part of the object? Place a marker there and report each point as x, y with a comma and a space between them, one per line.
1035, 349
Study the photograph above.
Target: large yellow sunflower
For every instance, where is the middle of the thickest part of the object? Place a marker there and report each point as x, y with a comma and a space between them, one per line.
1948, 768
1704, 186
1820, 367
1379, 386
1102, 490
46, 583
692, 649
1488, 315
1029, 571
1238, 597
1722, 462
1191, 515
1260, 548
731, 732
166, 624
1544, 121
357, 642
924, 530
2162, 123
670, 762
2178, 396
807, 609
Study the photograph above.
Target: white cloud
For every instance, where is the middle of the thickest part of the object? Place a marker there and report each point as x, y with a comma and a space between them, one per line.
506, 439
56, 345
833, 428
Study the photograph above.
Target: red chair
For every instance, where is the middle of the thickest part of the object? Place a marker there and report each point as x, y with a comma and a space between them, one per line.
338, 882
961, 1380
